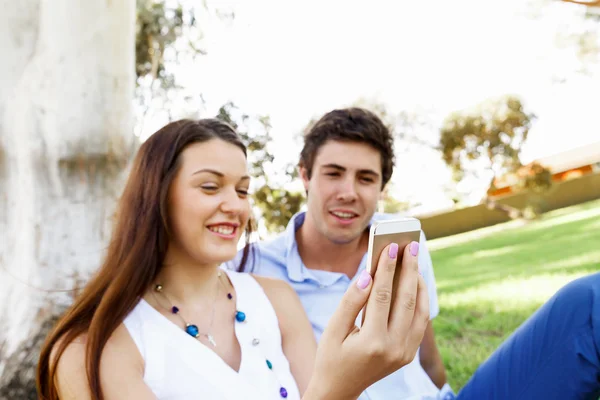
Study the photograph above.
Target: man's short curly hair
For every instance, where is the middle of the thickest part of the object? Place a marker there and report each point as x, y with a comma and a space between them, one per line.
350, 125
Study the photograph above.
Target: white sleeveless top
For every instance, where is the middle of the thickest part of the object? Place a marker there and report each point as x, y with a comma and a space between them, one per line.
179, 367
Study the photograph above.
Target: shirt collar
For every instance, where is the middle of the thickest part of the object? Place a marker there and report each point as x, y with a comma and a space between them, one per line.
296, 269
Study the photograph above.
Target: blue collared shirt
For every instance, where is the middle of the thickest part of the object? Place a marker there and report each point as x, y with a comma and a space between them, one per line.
321, 292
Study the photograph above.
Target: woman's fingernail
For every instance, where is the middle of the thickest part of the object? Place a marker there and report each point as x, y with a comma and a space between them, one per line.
393, 251
364, 279
414, 248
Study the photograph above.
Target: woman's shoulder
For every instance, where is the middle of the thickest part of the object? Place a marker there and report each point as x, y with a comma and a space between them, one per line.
271, 286
276, 289
282, 296
120, 355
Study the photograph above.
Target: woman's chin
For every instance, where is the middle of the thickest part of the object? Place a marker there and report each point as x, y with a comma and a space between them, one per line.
221, 255
215, 252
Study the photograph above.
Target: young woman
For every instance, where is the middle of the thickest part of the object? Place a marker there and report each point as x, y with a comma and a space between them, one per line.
161, 320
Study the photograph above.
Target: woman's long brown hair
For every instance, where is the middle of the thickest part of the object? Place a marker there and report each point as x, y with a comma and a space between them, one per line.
135, 253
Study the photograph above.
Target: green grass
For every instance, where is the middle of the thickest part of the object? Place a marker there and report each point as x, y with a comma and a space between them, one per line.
491, 280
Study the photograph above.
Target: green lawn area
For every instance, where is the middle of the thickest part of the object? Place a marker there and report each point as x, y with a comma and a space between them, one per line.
491, 280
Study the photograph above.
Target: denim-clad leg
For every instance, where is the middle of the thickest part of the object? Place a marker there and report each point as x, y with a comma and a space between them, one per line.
553, 355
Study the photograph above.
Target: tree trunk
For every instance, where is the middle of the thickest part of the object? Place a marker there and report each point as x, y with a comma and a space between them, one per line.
66, 86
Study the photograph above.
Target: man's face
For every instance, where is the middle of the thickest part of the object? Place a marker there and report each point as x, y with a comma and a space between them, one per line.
343, 190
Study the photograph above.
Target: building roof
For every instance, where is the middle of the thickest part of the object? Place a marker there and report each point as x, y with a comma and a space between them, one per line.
574, 158
556, 163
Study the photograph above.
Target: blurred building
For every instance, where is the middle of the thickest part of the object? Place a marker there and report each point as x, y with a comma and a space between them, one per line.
567, 165
575, 176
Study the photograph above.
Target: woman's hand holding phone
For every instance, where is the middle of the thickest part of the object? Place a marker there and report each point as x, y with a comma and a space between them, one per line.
350, 359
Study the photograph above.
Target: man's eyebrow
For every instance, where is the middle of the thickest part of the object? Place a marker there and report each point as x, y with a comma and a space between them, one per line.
334, 166
341, 168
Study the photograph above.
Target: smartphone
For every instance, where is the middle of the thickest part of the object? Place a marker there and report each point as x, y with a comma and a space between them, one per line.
401, 231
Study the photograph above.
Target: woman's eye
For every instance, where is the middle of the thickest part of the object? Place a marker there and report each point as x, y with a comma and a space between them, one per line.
243, 192
210, 188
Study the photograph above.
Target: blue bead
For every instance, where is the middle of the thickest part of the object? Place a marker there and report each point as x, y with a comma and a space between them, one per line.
229, 296
269, 364
192, 330
283, 392
240, 316
174, 310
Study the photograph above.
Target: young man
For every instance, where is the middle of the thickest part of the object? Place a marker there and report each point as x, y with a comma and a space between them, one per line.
345, 164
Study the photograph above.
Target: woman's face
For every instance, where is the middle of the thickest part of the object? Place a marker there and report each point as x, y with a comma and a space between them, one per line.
208, 202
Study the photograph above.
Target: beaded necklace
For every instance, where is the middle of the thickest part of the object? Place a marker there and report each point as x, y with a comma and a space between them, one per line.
192, 329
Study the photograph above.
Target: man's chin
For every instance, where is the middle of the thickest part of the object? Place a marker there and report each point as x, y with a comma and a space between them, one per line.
343, 238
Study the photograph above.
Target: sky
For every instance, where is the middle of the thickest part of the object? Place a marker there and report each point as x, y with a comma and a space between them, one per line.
297, 60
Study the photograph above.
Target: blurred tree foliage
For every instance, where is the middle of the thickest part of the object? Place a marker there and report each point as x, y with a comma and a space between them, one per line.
413, 130
158, 27
276, 204
391, 205
583, 36
586, 36
535, 177
489, 139
168, 32
409, 127
490, 136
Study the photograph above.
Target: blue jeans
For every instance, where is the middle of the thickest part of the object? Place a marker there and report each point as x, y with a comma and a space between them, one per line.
553, 355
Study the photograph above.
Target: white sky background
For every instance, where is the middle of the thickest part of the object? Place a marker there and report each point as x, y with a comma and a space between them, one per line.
297, 60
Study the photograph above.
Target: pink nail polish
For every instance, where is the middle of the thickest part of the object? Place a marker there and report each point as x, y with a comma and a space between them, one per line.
414, 248
363, 280
393, 251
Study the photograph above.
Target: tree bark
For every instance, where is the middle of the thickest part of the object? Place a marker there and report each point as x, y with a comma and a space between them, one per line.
66, 135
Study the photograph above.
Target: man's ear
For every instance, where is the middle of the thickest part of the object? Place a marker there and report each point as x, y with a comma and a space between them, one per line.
383, 192
380, 200
304, 176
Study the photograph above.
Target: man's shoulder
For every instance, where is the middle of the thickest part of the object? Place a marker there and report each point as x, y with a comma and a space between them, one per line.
276, 243
275, 247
